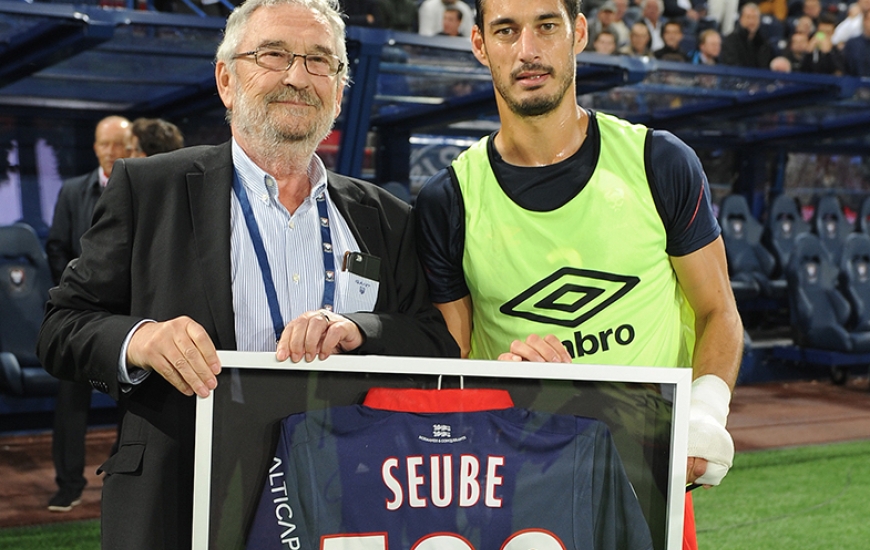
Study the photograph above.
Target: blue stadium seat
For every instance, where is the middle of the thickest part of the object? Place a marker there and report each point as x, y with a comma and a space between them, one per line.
863, 222
855, 279
830, 224
819, 312
24, 283
784, 224
750, 264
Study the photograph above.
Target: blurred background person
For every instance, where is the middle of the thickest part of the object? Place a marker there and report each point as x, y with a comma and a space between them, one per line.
853, 24
672, 35
747, 46
724, 13
430, 16
605, 18
633, 13
362, 13
605, 43
822, 56
709, 48
638, 41
72, 217
812, 9
652, 18
856, 53
797, 50
621, 21
451, 22
154, 135
804, 25
684, 12
780, 64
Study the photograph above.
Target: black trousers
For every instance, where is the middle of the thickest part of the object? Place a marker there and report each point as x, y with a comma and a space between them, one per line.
68, 439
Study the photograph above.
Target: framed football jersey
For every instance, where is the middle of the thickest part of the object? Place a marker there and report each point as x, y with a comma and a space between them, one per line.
395, 453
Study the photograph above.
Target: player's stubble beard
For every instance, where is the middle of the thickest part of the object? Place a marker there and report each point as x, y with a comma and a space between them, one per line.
289, 135
540, 104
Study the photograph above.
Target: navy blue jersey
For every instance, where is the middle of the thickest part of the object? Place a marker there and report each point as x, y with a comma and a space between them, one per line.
403, 471
674, 172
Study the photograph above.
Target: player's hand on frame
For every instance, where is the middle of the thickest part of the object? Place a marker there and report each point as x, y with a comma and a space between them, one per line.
711, 447
179, 350
318, 334
548, 349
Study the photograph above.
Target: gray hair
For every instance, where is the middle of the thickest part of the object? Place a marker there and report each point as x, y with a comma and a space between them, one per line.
237, 23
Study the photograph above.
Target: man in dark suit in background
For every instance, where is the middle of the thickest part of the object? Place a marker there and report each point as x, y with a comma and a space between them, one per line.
173, 267
72, 217
747, 46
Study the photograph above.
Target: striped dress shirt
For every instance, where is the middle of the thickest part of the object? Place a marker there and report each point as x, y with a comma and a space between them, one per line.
293, 247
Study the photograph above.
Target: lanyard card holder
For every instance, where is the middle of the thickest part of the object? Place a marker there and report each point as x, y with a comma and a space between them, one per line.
362, 264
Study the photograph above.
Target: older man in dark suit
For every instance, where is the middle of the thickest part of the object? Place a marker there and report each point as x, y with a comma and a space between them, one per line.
72, 217
232, 247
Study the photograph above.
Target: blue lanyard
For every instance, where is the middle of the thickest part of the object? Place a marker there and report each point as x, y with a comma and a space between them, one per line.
328, 257
263, 260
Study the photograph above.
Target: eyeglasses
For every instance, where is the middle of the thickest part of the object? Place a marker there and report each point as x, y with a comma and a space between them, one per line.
316, 64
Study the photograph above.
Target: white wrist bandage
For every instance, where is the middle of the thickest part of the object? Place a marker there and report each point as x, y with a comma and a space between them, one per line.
708, 438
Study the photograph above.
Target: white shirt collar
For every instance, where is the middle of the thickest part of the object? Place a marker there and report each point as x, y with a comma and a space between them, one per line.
261, 182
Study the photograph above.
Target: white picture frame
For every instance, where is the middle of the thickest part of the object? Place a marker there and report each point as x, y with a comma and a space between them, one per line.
673, 381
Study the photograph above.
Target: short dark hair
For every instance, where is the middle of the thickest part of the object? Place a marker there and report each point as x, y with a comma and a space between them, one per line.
455, 10
828, 18
157, 135
607, 31
571, 6
672, 24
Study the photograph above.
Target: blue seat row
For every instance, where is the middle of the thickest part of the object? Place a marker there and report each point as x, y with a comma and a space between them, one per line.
819, 270
24, 283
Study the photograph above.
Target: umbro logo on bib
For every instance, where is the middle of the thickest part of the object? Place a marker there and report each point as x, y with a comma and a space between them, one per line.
569, 296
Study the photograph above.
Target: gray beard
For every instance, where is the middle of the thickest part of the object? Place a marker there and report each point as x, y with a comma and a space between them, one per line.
271, 140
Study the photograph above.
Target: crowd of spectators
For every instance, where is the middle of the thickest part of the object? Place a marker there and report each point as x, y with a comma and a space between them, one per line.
808, 36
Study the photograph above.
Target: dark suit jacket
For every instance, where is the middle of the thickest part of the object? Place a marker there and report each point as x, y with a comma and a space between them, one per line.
72, 217
738, 49
159, 248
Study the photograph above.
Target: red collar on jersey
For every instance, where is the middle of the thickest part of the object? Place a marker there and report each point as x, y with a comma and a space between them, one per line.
437, 401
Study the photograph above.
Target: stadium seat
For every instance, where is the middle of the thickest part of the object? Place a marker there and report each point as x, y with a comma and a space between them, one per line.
750, 264
855, 279
831, 225
784, 225
24, 283
819, 312
863, 221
